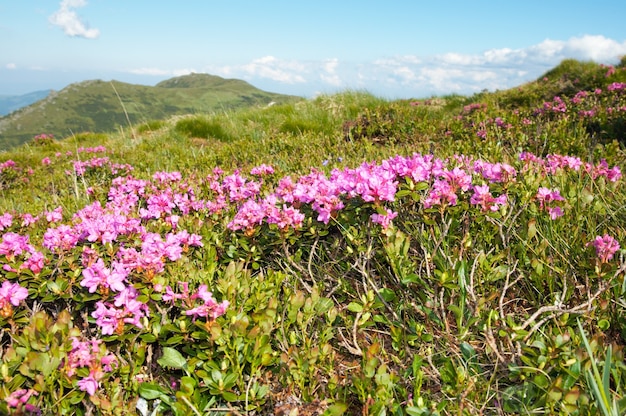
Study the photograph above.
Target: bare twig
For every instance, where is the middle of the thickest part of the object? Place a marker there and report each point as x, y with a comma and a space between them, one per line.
299, 268
558, 310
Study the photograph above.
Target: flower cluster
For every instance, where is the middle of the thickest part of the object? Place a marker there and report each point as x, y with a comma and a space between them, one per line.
18, 400
93, 355
82, 166
11, 294
208, 308
606, 247
126, 309
547, 198
15, 248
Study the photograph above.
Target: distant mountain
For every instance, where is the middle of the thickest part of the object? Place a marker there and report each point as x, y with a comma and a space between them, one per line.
10, 103
102, 106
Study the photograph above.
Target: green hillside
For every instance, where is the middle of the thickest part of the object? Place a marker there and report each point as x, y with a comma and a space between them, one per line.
343, 255
99, 106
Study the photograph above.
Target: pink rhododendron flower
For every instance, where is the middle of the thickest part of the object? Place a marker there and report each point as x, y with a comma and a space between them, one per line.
13, 245
495, 172
262, 170
441, 193
126, 309
60, 239
97, 274
28, 220
19, 398
210, 308
606, 247
6, 220
482, 196
89, 384
34, 263
11, 294
555, 212
93, 355
55, 215
384, 220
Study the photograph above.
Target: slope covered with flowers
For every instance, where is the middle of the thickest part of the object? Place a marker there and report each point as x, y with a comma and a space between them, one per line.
418, 282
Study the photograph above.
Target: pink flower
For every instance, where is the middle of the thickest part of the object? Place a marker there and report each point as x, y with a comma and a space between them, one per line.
91, 354
19, 397
6, 220
98, 274
555, 212
34, 263
28, 220
55, 216
12, 293
545, 196
60, 239
482, 196
14, 245
210, 308
262, 170
126, 309
384, 220
89, 384
441, 193
606, 246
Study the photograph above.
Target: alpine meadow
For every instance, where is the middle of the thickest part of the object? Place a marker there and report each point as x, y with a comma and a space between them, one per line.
345, 254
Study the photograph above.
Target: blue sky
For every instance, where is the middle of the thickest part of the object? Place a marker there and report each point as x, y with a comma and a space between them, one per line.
394, 49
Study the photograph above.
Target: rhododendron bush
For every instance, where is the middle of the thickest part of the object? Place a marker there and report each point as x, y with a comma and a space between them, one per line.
116, 261
406, 283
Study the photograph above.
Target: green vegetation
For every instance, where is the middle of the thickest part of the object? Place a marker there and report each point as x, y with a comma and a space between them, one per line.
340, 255
99, 106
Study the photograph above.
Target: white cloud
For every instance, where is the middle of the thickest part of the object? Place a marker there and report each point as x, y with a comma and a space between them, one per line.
410, 76
10, 66
492, 69
67, 19
329, 74
289, 72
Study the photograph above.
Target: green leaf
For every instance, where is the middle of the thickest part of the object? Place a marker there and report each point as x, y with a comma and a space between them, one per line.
148, 338
355, 307
172, 358
387, 294
410, 278
336, 409
188, 384
604, 324
151, 391
229, 396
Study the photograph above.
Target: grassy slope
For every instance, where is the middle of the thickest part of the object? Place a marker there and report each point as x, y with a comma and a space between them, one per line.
99, 106
407, 335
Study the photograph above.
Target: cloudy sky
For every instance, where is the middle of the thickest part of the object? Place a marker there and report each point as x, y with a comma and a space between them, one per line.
394, 49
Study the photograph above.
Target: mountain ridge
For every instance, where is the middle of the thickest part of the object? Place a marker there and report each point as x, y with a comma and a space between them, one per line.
102, 106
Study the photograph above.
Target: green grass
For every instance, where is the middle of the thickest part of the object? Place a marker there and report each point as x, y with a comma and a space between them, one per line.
451, 310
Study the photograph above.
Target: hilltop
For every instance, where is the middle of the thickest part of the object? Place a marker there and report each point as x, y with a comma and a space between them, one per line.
101, 106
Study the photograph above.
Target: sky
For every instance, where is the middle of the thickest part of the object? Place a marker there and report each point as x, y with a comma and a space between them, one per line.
393, 49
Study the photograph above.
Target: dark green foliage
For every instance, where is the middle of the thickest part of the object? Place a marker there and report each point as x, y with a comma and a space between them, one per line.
201, 127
